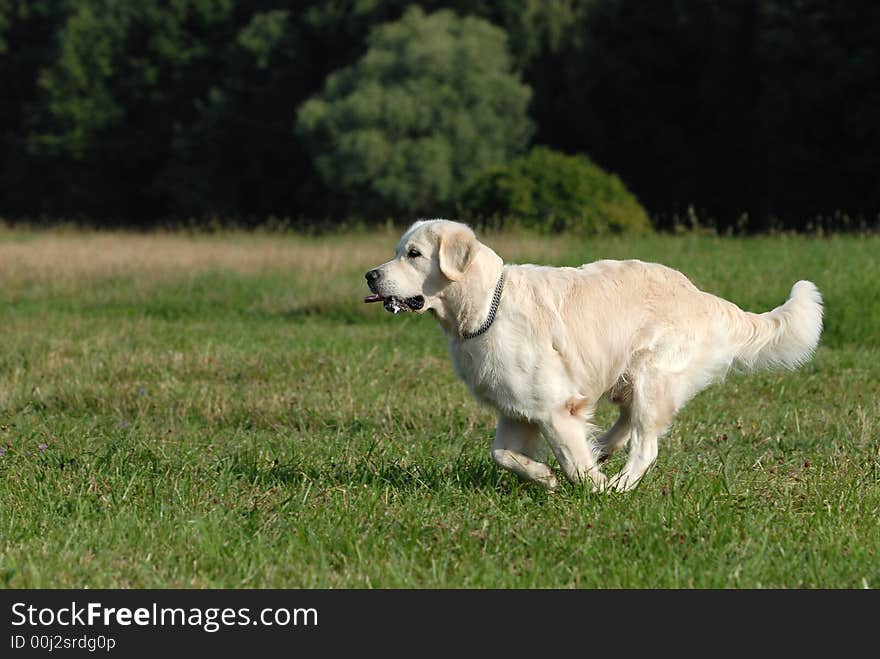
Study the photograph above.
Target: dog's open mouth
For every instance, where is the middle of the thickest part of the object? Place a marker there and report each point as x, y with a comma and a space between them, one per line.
395, 304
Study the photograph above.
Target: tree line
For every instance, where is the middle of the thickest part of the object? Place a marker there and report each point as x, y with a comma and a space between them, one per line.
745, 113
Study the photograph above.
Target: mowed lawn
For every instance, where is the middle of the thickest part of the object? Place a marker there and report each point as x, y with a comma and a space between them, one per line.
223, 411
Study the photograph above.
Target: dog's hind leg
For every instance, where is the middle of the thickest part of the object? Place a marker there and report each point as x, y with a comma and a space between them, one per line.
615, 438
516, 447
654, 404
641, 456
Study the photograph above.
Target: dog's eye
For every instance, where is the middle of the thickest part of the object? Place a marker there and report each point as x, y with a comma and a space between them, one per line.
413, 253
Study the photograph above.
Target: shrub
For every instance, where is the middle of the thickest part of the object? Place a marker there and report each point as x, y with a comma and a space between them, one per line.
553, 192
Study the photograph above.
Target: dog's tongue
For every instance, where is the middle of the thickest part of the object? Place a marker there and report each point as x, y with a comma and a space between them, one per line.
373, 298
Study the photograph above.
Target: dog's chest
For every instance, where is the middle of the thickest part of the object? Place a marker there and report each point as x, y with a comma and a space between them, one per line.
496, 375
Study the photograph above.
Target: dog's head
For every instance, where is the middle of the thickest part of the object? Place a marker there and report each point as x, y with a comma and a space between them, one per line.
431, 257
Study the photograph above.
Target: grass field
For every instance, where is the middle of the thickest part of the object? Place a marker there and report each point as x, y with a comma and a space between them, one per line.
206, 411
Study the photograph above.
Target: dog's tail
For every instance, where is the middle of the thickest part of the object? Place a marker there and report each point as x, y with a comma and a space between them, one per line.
785, 337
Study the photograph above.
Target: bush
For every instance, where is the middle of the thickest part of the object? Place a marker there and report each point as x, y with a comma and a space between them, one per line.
553, 192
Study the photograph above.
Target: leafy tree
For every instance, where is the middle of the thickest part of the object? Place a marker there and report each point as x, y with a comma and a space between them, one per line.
431, 104
28, 31
753, 112
763, 110
238, 153
126, 78
818, 72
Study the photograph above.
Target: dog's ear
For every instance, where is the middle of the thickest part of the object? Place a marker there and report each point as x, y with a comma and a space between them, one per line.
457, 251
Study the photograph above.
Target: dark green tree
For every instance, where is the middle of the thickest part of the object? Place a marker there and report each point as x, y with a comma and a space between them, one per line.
28, 44
431, 104
126, 79
755, 112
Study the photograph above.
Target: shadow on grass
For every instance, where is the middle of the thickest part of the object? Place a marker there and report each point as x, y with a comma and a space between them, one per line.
339, 314
458, 474
344, 313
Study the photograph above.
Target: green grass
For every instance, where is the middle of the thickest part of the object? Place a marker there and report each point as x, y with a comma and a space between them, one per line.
223, 411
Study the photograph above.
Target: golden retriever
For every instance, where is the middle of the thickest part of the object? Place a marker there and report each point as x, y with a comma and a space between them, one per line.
542, 345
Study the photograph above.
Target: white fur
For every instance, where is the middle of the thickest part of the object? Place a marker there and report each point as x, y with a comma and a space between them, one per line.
640, 334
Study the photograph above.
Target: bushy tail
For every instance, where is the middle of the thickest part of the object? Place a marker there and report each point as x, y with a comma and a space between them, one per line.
785, 337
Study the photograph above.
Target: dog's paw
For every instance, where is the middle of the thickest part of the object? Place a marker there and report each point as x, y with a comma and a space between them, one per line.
600, 481
623, 481
548, 482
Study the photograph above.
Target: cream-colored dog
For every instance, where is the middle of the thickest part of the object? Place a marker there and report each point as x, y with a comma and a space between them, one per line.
542, 345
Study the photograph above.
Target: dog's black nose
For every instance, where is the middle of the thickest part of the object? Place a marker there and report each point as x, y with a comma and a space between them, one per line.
373, 276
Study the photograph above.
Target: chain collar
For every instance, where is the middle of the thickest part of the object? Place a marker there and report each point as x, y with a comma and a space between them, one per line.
496, 300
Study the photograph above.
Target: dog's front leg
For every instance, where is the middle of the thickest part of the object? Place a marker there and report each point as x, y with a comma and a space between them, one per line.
516, 447
566, 433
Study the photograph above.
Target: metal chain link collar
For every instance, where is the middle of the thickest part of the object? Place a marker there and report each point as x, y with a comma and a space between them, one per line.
496, 300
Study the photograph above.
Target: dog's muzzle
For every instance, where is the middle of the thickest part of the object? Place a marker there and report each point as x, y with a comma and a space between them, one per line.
391, 303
